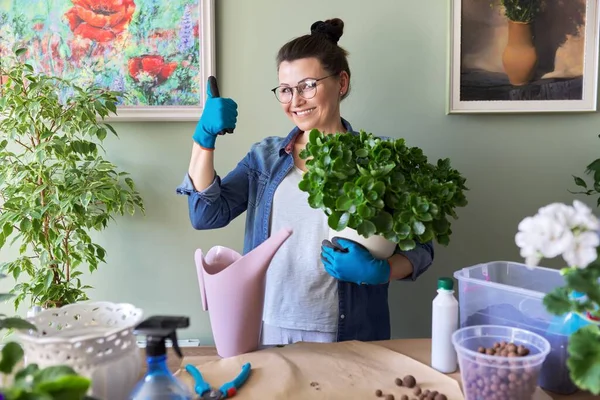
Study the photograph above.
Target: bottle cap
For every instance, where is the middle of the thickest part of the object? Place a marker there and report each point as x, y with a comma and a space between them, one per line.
445, 284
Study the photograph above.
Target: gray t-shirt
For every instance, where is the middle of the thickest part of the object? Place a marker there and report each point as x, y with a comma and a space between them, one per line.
300, 294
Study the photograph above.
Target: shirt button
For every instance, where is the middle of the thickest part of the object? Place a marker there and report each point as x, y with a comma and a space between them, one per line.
342, 316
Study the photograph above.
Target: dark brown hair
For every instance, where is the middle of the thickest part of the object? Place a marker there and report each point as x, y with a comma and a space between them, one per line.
321, 44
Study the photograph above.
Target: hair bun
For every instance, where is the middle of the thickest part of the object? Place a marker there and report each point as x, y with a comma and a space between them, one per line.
332, 29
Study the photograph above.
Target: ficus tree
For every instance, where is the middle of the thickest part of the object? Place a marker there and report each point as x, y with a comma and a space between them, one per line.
56, 186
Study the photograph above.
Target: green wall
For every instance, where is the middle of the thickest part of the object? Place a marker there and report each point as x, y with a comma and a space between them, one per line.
398, 55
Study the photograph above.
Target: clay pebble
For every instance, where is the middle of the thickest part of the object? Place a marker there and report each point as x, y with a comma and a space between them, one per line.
378, 393
409, 381
504, 349
389, 397
440, 396
417, 390
404, 397
398, 381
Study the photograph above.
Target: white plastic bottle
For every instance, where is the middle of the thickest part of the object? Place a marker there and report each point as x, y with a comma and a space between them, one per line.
444, 321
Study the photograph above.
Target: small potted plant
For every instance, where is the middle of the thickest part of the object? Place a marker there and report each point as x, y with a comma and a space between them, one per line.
55, 185
380, 192
30, 382
570, 232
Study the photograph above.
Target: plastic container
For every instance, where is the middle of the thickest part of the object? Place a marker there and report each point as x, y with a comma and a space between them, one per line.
510, 294
444, 322
512, 378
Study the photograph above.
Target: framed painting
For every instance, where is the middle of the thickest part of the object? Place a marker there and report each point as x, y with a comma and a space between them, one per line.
519, 56
158, 53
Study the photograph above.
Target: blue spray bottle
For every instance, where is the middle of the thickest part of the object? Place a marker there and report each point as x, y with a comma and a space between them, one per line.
159, 382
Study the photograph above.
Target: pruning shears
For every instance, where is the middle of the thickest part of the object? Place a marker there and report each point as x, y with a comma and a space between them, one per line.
227, 390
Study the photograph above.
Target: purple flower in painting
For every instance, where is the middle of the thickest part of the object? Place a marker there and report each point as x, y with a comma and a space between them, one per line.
186, 31
118, 85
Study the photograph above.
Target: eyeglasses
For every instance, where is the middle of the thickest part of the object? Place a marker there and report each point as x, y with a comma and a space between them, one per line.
307, 88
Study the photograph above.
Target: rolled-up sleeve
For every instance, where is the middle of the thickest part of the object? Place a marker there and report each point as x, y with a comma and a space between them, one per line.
210, 194
421, 258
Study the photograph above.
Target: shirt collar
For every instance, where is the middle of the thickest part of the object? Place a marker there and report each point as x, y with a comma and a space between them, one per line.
290, 140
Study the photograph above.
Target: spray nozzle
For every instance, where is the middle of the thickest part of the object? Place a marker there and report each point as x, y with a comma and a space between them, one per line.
158, 329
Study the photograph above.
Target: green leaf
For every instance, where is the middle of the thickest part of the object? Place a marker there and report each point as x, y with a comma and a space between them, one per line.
343, 203
580, 182
557, 301
12, 353
338, 220
366, 228
16, 323
440, 225
69, 387
418, 228
361, 153
407, 244
584, 356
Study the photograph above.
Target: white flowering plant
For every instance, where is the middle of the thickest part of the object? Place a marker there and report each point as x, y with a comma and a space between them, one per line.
572, 232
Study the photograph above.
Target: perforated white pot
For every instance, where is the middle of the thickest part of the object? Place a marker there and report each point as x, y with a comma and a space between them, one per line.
94, 338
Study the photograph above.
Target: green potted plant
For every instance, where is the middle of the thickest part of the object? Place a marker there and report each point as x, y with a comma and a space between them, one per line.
55, 185
380, 192
570, 232
29, 382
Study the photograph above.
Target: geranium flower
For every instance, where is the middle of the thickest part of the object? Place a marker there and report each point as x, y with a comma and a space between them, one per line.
152, 65
100, 20
560, 230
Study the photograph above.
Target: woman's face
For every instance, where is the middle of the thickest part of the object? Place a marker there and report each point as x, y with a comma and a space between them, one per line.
321, 111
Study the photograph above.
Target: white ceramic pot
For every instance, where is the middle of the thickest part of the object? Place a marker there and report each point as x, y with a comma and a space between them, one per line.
378, 246
94, 338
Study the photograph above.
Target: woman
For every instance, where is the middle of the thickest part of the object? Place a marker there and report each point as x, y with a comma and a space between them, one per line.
313, 292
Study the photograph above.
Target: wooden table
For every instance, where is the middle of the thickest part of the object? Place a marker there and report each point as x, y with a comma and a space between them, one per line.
418, 349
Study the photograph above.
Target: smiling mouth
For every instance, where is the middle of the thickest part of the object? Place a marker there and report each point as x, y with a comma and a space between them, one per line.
304, 112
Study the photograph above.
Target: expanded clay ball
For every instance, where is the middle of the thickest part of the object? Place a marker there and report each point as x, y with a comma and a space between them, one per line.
378, 393
398, 381
409, 381
404, 397
417, 390
389, 397
504, 349
502, 379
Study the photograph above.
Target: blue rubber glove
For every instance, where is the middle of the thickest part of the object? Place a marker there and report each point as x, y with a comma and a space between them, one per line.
219, 113
349, 261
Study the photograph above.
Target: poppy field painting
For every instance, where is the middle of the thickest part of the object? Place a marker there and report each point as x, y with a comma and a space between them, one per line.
158, 53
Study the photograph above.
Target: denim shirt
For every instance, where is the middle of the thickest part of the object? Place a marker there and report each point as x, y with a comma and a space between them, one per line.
363, 309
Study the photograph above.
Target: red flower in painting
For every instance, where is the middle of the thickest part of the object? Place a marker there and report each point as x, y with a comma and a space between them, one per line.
100, 20
155, 66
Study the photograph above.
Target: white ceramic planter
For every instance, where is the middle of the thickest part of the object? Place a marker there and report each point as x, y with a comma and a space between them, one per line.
94, 338
378, 246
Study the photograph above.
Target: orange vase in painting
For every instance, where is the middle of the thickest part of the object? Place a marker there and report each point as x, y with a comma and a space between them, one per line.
519, 57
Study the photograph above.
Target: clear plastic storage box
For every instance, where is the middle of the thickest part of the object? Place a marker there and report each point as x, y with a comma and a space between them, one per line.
510, 294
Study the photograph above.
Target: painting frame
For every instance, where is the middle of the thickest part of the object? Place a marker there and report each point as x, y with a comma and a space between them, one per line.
588, 102
203, 64
208, 68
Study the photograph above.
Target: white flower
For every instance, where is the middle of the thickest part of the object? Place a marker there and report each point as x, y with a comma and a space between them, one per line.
583, 252
542, 236
558, 229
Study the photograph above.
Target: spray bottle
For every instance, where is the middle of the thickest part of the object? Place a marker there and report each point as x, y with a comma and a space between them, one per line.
159, 382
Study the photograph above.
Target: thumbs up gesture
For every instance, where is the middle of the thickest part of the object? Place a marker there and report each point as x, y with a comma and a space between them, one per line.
219, 116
